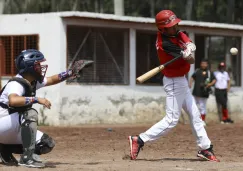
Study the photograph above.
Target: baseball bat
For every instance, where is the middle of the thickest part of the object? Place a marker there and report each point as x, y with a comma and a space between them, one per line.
155, 71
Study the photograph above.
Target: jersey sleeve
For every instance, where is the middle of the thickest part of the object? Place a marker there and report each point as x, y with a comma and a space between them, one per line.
184, 37
40, 85
228, 78
14, 88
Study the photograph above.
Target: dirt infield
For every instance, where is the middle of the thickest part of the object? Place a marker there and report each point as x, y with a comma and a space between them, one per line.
106, 148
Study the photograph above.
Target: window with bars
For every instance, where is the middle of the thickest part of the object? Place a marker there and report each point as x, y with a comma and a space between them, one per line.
107, 47
146, 56
10, 47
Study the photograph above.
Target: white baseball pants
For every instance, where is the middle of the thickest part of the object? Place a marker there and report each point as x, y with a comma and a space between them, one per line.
201, 102
178, 96
10, 130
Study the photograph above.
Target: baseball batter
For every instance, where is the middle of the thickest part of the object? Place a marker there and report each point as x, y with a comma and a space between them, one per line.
18, 120
170, 43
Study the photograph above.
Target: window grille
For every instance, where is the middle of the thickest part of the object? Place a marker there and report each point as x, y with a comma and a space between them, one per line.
10, 47
146, 56
107, 47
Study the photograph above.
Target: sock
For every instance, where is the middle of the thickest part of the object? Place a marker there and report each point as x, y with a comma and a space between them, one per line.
203, 116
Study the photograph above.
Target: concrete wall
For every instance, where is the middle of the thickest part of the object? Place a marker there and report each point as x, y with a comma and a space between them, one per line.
92, 104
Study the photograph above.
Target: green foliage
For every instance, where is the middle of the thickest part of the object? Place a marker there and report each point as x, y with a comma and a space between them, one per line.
222, 11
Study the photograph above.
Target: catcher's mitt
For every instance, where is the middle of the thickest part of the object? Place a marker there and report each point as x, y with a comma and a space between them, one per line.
78, 66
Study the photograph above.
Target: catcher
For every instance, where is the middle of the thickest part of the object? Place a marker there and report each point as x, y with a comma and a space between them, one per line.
18, 120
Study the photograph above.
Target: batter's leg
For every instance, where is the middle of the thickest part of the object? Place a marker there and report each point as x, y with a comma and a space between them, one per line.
175, 95
175, 89
199, 131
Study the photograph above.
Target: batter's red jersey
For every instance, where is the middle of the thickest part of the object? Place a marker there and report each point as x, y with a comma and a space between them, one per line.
179, 67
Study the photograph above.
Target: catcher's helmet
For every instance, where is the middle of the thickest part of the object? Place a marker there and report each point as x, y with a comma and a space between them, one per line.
29, 62
166, 18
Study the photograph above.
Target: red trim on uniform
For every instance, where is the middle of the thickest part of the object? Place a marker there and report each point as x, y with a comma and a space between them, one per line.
179, 67
203, 116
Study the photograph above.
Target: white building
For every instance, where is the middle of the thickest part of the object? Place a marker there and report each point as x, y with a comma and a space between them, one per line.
122, 48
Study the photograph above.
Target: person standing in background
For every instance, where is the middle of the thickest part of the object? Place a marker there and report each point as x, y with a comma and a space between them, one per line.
203, 79
222, 87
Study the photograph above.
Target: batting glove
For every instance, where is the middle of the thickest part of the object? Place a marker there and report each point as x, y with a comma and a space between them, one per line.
191, 46
187, 54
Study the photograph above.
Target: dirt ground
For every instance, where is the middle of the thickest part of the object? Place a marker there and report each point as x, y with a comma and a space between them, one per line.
106, 148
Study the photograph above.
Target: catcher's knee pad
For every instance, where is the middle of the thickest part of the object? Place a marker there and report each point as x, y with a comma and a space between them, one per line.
45, 145
29, 128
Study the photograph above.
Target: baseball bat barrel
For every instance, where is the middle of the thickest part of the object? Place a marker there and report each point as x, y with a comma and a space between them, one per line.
150, 74
155, 71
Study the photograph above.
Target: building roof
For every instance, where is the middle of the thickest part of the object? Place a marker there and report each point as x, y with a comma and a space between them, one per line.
147, 20
139, 20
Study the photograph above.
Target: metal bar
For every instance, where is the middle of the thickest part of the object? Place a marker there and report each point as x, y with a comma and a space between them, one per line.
95, 57
80, 47
25, 42
126, 59
132, 56
12, 55
112, 57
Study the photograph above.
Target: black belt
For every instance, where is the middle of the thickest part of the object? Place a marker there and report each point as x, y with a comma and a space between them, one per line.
220, 89
10, 110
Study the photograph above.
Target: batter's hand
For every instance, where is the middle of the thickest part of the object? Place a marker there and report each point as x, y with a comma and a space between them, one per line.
44, 102
187, 54
191, 46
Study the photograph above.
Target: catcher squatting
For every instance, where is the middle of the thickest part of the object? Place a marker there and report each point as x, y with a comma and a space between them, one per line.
18, 120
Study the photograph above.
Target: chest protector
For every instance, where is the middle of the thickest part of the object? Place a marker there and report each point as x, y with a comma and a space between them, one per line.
30, 91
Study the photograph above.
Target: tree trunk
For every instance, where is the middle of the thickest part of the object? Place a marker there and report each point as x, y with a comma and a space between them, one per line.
2, 6
188, 9
75, 4
152, 7
53, 6
230, 19
230, 11
119, 7
96, 6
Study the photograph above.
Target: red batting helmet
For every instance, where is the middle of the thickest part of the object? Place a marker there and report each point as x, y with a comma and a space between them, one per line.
166, 18
221, 65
